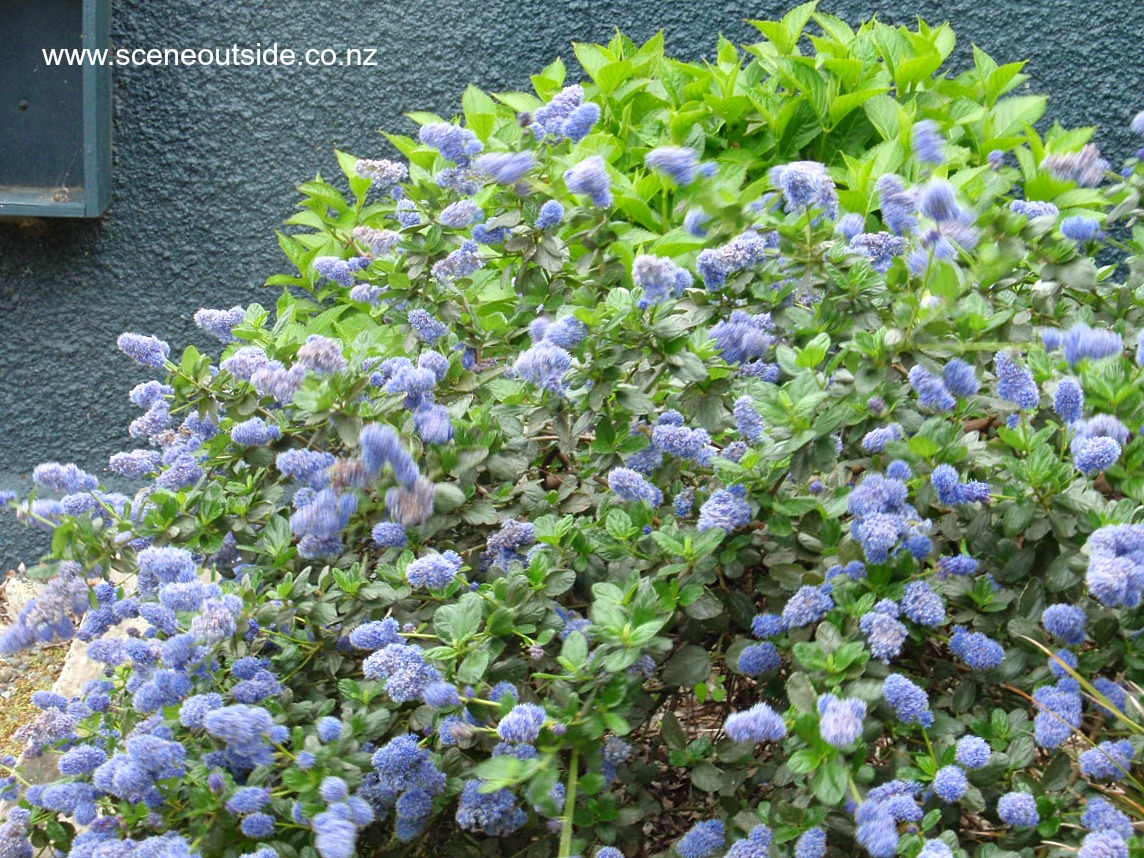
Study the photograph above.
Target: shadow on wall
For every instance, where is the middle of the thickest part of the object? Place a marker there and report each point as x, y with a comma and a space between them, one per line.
206, 160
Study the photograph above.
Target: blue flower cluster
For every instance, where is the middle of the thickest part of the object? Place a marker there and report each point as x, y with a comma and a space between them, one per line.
403, 667
660, 278
336, 269
505, 545
681, 163
757, 844
550, 215
495, 813
544, 365
908, 701
953, 225
898, 205
255, 432
1015, 383
757, 659
567, 332
629, 485
434, 571
875, 440
522, 725
973, 752
931, 390
505, 168
1082, 229
952, 492
1058, 713
1108, 760
744, 337
703, 840
1018, 809
760, 723
590, 177
1066, 622
144, 350
1097, 443
883, 521
977, 650
950, 784
1101, 815
742, 253
807, 606
456, 144
1034, 209
1116, 565
879, 816
460, 263
405, 780
50, 615
884, 633
806, 185
1080, 342
1085, 167
726, 508
927, 142
922, 605
1068, 402
881, 248
320, 521
566, 116
840, 720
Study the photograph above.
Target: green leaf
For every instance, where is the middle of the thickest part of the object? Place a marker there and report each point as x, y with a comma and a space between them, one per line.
295, 251
592, 57
669, 542
882, 111
810, 655
688, 667
799, 74
914, 70
804, 762
551, 80
1011, 114
830, 782
943, 280
358, 184
611, 76
447, 497
480, 111
619, 524
842, 105
1057, 774
575, 650
835, 27
328, 194
473, 668
707, 777
814, 352
460, 621
504, 770
672, 732
798, 124
801, 693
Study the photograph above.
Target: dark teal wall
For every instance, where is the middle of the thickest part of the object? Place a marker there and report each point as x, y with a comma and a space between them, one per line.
206, 161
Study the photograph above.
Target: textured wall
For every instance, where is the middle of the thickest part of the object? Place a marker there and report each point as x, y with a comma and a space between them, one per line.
206, 161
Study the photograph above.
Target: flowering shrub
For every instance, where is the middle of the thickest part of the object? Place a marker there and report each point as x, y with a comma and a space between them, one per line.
703, 453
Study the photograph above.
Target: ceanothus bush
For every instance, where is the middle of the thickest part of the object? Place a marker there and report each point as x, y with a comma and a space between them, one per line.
739, 457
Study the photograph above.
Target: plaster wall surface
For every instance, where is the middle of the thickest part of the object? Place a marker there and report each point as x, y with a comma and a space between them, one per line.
206, 161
